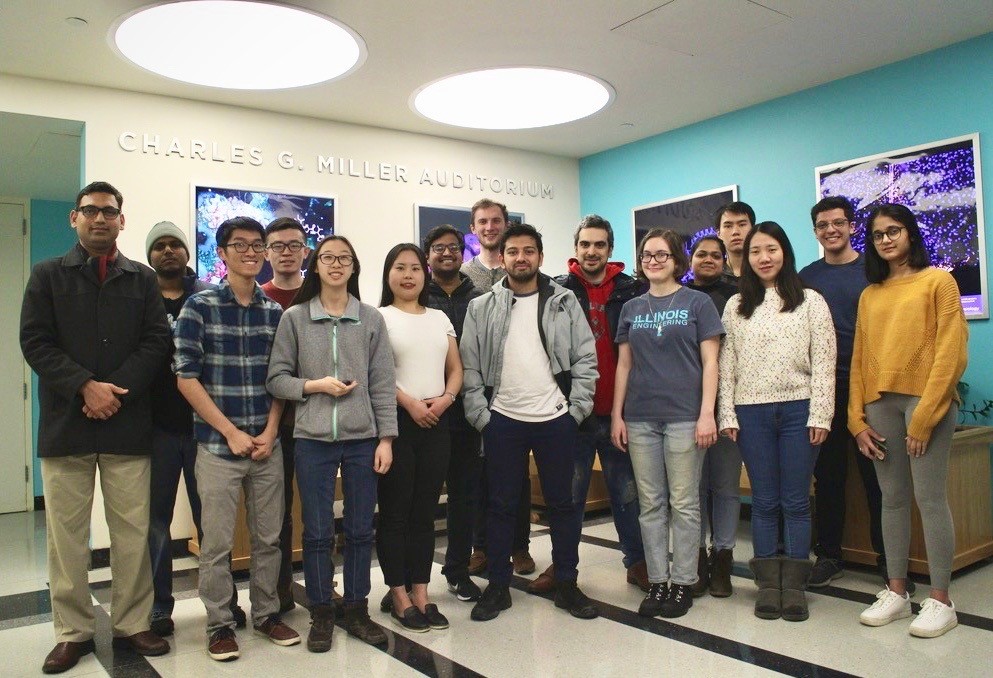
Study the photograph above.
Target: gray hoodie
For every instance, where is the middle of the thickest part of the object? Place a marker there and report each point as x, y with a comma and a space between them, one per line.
310, 344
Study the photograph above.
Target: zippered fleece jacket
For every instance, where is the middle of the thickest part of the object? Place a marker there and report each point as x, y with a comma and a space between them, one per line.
310, 344
564, 331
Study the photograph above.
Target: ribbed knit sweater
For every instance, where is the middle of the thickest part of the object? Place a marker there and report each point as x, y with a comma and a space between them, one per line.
910, 338
776, 357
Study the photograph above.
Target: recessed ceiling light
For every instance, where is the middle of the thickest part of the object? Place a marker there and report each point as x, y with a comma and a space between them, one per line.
239, 45
512, 98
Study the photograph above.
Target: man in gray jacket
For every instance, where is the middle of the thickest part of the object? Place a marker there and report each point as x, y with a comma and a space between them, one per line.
530, 371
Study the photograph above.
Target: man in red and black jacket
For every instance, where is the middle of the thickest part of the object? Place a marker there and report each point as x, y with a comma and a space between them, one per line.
602, 289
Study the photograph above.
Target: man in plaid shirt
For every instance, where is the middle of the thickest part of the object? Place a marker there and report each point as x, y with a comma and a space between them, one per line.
223, 338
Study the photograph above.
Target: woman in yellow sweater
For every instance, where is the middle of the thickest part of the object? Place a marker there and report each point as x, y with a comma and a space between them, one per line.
910, 352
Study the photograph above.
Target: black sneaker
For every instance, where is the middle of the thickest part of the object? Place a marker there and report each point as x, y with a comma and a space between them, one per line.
464, 588
825, 571
569, 597
494, 600
162, 625
652, 603
678, 602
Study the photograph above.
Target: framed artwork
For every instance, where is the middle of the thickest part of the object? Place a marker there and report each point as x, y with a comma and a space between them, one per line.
212, 205
427, 217
940, 183
692, 216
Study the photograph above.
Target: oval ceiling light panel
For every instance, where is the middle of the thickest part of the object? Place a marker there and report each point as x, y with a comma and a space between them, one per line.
238, 45
512, 98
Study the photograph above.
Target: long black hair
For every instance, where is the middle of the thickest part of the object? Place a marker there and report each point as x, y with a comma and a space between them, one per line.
386, 298
877, 269
311, 286
788, 283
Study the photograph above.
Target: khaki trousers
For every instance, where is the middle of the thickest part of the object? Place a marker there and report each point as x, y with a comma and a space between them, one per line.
69, 484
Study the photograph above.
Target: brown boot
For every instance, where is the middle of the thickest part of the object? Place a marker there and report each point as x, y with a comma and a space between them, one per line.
720, 573
638, 575
703, 575
544, 583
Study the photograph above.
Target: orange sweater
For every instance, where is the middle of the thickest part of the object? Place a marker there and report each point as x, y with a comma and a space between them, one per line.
910, 338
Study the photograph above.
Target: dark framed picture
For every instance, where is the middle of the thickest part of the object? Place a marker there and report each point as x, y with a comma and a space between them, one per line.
940, 183
427, 217
692, 216
212, 205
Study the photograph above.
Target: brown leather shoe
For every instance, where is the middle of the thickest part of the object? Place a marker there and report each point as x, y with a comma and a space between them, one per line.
638, 575
65, 655
145, 643
477, 561
279, 633
523, 562
545, 582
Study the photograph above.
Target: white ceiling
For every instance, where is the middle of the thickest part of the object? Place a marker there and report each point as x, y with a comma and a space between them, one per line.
671, 62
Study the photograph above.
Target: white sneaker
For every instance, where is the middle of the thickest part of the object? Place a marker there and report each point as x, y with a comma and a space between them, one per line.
889, 606
935, 619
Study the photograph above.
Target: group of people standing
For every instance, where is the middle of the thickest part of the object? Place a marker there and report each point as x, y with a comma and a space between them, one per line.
465, 369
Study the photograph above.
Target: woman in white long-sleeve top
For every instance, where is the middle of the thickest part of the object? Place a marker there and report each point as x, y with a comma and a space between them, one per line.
776, 399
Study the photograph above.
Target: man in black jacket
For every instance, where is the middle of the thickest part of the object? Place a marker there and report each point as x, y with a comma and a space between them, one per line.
94, 330
450, 291
602, 288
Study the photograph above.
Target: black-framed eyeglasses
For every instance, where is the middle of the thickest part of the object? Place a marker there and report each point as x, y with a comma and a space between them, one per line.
454, 248
837, 223
280, 247
660, 257
241, 247
329, 259
893, 232
90, 211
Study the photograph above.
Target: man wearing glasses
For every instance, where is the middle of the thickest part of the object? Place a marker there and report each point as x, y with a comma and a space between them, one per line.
286, 250
840, 277
94, 330
450, 291
223, 340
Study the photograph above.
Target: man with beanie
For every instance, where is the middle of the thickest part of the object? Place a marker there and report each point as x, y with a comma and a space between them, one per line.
174, 447
93, 329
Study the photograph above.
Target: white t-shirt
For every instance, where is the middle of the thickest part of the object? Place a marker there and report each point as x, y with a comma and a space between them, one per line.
420, 346
528, 390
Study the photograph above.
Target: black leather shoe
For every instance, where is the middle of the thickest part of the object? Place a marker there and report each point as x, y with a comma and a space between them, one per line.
569, 597
411, 619
436, 619
495, 599
65, 655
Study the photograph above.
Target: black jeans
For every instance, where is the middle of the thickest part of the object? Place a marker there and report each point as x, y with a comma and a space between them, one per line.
507, 442
830, 475
465, 466
284, 585
408, 499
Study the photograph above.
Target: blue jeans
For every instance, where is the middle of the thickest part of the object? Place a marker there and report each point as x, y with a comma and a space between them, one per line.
172, 453
507, 443
317, 465
775, 445
720, 494
667, 465
594, 438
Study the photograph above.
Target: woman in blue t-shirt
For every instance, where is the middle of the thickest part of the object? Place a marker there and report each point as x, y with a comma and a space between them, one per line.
663, 415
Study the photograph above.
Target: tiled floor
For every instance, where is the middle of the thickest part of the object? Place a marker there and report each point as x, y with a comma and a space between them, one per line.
533, 638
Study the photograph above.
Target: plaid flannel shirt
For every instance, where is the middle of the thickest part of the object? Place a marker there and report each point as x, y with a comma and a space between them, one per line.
226, 346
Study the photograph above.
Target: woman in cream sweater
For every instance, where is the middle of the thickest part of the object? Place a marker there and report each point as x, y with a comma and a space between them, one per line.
910, 352
776, 399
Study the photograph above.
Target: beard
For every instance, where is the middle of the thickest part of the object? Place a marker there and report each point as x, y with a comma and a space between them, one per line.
522, 276
171, 271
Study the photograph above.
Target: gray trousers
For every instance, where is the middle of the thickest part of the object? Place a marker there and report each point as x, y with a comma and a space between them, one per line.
903, 478
220, 483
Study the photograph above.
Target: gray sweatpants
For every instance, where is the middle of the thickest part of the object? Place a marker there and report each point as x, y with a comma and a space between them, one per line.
890, 416
220, 483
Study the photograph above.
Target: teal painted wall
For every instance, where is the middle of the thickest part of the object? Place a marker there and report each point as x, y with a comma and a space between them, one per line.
51, 236
770, 151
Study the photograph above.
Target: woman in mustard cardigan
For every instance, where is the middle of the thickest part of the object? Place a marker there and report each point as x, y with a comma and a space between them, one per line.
910, 352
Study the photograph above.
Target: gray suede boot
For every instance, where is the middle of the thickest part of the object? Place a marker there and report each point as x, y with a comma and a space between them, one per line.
767, 577
796, 574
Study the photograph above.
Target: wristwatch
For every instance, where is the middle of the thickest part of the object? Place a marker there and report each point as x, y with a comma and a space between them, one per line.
448, 393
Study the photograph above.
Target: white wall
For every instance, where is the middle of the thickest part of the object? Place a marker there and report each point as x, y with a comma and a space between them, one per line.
373, 213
